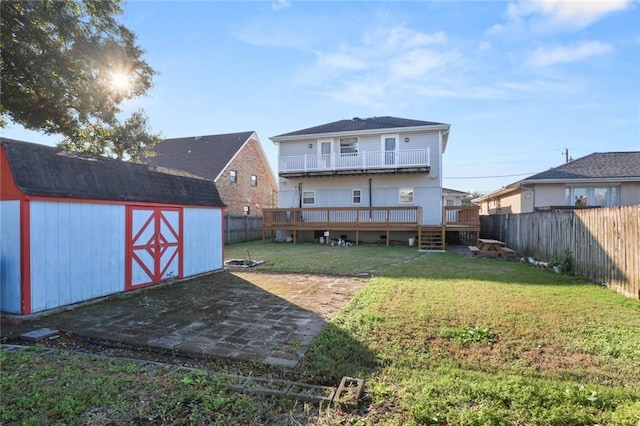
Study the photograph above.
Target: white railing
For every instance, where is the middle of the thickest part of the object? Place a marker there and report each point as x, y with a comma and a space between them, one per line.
355, 161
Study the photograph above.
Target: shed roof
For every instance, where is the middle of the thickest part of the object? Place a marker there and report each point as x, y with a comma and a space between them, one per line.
42, 170
204, 156
599, 165
361, 124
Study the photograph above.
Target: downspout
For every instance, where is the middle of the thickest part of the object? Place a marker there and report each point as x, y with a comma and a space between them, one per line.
370, 201
300, 195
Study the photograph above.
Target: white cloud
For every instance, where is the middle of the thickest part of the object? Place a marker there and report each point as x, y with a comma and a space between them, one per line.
548, 15
340, 61
280, 4
418, 63
546, 56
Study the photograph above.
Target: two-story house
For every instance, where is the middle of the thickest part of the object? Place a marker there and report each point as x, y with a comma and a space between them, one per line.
370, 180
234, 161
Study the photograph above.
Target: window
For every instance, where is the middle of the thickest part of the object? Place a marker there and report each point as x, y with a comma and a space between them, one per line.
607, 196
308, 198
233, 176
348, 145
247, 209
254, 180
356, 196
406, 195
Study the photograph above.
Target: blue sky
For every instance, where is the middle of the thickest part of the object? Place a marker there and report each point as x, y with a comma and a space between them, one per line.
518, 81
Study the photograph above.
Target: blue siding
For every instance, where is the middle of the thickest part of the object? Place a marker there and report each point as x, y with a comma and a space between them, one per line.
202, 241
10, 256
77, 252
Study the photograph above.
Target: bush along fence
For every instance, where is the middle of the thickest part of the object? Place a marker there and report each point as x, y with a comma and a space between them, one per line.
604, 242
242, 228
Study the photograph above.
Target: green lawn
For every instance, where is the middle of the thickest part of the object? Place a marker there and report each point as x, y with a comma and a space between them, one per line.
439, 339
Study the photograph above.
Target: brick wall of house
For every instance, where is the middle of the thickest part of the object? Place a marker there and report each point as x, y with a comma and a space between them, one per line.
237, 195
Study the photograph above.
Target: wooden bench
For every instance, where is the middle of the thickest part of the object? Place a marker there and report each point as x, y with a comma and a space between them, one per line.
507, 250
474, 250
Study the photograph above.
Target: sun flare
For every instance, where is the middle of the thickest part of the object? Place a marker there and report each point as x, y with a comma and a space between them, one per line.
120, 81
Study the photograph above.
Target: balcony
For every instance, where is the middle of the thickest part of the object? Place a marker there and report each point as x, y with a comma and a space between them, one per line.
363, 162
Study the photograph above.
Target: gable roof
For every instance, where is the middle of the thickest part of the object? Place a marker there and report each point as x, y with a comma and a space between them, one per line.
456, 192
361, 124
596, 166
205, 156
41, 170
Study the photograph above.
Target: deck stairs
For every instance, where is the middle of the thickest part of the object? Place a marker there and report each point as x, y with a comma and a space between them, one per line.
431, 238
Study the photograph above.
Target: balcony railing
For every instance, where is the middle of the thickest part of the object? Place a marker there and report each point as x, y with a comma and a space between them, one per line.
356, 161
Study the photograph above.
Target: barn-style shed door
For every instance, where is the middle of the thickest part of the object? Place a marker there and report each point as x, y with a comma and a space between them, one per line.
154, 245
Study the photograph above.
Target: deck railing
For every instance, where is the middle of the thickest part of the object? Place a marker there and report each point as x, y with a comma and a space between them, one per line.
350, 217
461, 216
356, 160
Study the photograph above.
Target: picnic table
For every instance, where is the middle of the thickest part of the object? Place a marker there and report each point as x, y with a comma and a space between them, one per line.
489, 247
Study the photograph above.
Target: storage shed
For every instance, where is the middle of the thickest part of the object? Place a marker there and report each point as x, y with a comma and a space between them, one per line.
76, 227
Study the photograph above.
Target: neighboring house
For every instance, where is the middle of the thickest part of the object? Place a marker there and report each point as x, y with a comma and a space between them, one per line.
362, 180
234, 161
601, 179
453, 197
76, 227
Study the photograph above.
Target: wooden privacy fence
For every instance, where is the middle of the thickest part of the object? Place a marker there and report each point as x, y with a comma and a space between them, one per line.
605, 242
241, 228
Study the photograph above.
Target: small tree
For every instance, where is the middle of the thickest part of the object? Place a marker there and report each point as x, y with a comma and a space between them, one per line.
66, 67
466, 201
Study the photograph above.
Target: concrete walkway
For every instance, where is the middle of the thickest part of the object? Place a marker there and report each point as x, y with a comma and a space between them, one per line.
247, 316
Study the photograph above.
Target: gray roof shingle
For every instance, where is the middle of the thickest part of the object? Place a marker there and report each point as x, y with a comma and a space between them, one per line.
204, 156
47, 171
360, 124
599, 165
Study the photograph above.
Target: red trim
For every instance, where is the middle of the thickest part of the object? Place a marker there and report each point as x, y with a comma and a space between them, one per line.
181, 243
222, 235
128, 248
25, 256
156, 246
8, 187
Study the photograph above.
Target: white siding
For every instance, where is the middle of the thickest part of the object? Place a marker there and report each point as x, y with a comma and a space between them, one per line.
10, 257
337, 192
77, 252
202, 241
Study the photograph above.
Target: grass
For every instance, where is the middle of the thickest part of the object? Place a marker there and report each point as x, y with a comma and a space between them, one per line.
439, 338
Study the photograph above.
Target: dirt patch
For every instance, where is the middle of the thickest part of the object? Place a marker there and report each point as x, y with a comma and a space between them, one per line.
322, 294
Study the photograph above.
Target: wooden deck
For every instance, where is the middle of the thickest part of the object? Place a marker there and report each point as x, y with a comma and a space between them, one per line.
379, 219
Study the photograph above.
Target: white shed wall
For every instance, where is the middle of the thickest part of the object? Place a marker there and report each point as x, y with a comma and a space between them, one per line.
202, 240
10, 257
77, 252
